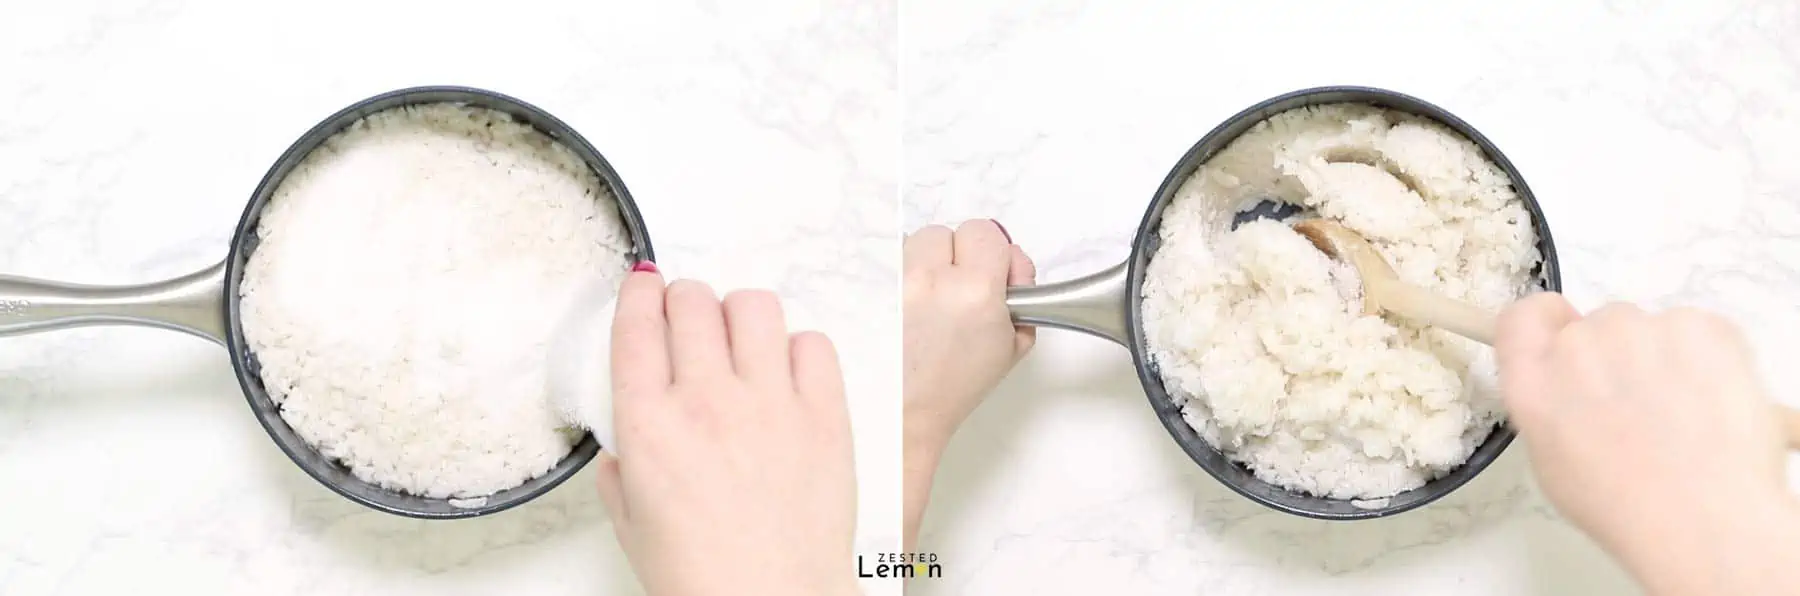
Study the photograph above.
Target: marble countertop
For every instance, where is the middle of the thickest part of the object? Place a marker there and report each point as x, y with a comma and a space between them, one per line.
764, 144
1662, 142
758, 140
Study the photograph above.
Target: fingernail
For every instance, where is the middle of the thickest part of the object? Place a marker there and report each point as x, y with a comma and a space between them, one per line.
645, 267
1002, 230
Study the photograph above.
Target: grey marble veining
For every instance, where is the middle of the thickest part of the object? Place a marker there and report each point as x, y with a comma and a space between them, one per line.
768, 144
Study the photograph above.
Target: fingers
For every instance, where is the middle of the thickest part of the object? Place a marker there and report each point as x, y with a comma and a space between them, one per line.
1619, 317
745, 335
1631, 336
817, 375
697, 337
1526, 331
612, 491
931, 245
1528, 327
759, 350
1709, 344
982, 245
640, 337
1694, 328
1022, 273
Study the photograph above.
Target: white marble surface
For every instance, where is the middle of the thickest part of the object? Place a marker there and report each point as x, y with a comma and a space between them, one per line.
760, 142
1662, 140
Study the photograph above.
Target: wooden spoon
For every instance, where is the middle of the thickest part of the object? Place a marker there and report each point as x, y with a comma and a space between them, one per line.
1385, 292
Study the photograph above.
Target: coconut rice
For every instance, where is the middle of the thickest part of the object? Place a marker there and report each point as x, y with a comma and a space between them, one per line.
1257, 335
406, 282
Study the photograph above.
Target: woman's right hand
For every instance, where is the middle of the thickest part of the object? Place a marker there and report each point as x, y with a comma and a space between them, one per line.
736, 471
1653, 433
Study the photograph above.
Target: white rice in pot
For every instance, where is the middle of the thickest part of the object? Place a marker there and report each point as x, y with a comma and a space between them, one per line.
1257, 334
407, 279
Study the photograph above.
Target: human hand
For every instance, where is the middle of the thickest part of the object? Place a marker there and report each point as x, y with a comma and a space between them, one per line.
959, 339
1652, 433
735, 469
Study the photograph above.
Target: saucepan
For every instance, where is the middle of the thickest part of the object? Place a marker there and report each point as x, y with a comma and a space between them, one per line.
205, 304
1108, 304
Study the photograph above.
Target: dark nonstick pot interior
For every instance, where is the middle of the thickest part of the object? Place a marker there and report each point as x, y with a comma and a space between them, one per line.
1107, 304
243, 361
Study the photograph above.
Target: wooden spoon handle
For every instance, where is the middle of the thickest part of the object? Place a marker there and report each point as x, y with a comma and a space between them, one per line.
1431, 308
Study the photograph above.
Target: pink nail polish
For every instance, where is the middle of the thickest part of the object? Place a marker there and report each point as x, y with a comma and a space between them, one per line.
645, 267
1002, 230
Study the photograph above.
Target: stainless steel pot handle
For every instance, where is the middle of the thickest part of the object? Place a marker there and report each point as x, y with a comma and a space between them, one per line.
192, 303
1094, 304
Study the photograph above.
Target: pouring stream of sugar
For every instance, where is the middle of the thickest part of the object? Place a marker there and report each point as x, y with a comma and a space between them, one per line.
1384, 291
578, 376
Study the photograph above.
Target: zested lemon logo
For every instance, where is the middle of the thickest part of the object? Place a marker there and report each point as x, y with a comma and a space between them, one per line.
899, 565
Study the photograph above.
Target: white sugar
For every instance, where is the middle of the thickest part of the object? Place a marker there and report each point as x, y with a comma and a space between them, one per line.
406, 283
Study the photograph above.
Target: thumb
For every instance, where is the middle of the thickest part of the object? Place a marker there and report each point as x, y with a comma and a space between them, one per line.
1022, 272
612, 492
1525, 333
